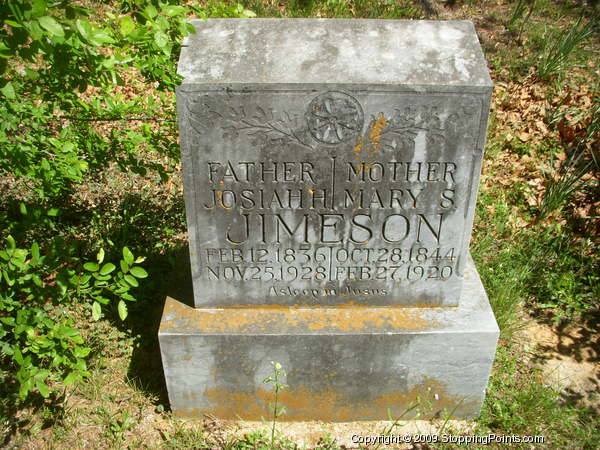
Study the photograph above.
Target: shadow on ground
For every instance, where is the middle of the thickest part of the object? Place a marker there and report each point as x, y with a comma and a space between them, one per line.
569, 355
172, 275
155, 228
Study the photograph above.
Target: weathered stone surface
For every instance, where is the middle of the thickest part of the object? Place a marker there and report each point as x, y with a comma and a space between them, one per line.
330, 51
343, 364
331, 169
331, 162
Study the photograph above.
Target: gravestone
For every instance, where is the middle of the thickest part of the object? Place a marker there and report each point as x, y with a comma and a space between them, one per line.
330, 171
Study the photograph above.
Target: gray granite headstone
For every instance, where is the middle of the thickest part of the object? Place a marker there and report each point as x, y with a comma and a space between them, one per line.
330, 176
331, 162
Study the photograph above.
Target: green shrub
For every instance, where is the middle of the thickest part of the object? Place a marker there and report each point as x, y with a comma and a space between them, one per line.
42, 343
65, 122
48, 135
102, 282
35, 333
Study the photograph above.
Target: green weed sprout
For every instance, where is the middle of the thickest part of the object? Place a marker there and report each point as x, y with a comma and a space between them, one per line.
275, 379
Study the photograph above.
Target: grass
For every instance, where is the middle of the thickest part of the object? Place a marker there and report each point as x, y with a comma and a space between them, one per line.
520, 403
570, 179
380, 9
561, 46
534, 259
542, 268
521, 13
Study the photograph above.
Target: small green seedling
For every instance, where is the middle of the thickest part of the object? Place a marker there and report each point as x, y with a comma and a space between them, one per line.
278, 385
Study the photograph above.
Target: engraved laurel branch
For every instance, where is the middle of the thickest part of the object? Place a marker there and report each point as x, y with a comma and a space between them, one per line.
206, 112
405, 123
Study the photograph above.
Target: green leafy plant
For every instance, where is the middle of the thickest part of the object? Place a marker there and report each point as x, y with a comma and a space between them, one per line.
49, 137
66, 121
221, 9
276, 380
62, 33
116, 427
41, 342
155, 34
103, 282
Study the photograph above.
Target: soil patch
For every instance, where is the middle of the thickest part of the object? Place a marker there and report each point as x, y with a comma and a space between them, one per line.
569, 356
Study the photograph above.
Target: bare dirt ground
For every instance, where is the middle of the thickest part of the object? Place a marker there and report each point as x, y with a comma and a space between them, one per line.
570, 358
349, 434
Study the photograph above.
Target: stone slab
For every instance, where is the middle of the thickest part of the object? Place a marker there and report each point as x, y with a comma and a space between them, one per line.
343, 364
331, 162
330, 51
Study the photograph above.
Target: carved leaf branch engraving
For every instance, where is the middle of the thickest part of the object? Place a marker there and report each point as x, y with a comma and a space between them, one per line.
396, 132
208, 112
404, 125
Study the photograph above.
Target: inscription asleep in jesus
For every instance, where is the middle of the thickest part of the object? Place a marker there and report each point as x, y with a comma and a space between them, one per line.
308, 205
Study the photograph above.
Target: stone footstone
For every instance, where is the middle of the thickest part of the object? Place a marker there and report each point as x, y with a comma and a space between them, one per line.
342, 364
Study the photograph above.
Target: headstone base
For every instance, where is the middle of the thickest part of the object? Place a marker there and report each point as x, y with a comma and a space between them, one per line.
342, 364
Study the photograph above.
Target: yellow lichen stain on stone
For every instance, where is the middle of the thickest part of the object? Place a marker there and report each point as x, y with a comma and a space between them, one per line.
359, 146
363, 318
348, 317
173, 314
288, 320
308, 403
375, 129
367, 149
